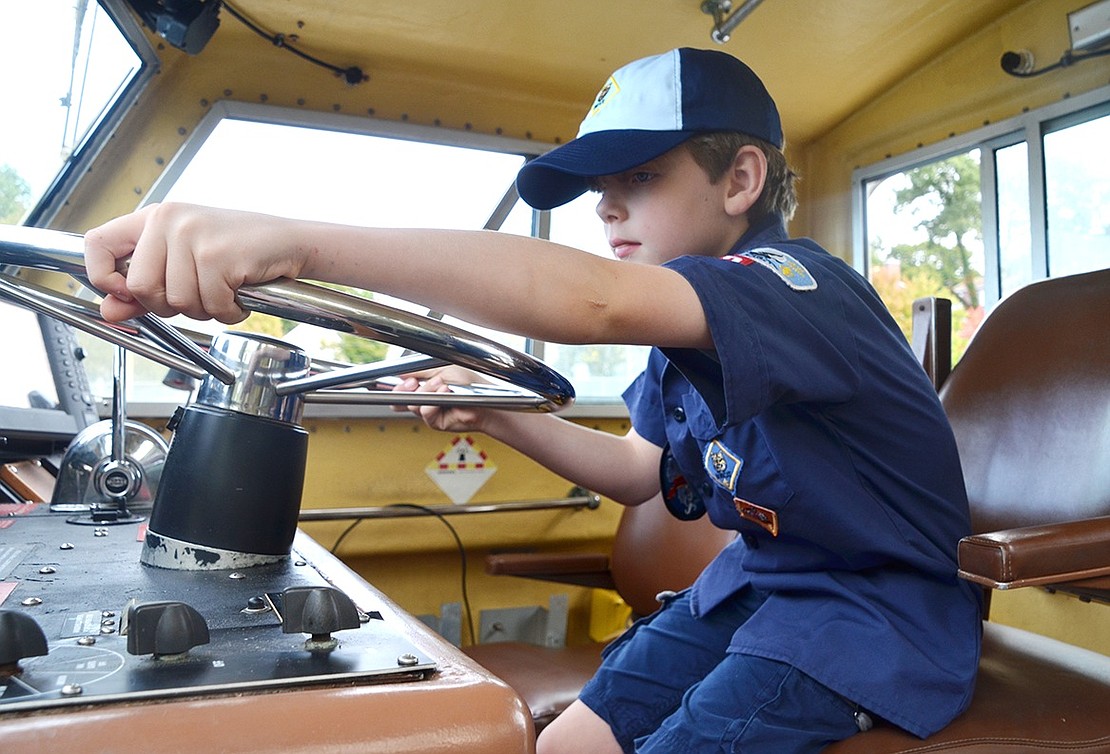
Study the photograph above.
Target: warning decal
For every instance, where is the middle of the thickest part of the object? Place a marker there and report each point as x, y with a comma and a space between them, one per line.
461, 469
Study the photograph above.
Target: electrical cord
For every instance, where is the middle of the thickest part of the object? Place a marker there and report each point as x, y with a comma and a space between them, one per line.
352, 75
1015, 63
458, 543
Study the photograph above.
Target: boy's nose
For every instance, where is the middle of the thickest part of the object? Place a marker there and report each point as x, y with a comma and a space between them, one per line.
608, 208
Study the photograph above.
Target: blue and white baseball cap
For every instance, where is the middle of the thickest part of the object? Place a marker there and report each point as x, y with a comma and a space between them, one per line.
647, 108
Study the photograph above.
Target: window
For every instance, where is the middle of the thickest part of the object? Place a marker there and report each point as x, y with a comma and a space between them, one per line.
975, 219
1015, 245
84, 68
1077, 193
32, 384
924, 238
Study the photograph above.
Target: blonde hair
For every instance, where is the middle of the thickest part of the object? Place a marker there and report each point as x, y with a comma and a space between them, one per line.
714, 152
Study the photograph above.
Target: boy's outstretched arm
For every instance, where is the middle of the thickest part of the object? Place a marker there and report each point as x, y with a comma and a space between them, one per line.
191, 260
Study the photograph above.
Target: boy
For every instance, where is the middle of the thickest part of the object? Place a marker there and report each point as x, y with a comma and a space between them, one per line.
780, 399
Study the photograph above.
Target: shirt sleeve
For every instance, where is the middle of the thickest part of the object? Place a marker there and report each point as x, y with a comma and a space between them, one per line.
644, 399
775, 342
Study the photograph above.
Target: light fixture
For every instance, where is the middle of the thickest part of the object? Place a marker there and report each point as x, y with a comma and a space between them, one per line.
185, 24
725, 19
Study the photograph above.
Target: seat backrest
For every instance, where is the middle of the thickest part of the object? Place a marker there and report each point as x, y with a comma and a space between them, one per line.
653, 552
1029, 403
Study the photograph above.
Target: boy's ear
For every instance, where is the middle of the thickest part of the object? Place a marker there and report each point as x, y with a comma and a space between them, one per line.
745, 179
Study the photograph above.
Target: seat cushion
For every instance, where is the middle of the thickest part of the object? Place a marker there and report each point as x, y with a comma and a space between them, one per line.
1033, 694
547, 679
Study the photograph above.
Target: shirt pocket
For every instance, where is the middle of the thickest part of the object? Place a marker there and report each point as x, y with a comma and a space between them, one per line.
749, 491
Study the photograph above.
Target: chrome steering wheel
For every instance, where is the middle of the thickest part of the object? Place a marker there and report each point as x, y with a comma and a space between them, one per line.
536, 386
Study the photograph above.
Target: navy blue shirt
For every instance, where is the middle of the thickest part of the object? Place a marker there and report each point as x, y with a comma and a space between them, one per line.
813, 431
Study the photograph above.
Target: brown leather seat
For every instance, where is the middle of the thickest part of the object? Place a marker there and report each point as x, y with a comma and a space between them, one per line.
653, 552
1030, 405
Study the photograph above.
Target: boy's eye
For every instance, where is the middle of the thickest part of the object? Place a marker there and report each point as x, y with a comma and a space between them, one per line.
640, 176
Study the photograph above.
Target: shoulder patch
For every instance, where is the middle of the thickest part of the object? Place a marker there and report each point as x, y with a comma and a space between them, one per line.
790, 270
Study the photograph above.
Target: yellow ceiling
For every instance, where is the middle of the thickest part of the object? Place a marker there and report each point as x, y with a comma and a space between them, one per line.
821, 59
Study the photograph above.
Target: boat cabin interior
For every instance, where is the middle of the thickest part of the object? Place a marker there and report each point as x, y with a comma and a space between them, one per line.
234, 540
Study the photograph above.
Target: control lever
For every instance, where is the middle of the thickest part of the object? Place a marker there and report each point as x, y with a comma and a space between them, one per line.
163, 628
20, 637
319, 611
107, 479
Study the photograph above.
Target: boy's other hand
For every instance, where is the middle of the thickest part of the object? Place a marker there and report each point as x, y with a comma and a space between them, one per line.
445, 418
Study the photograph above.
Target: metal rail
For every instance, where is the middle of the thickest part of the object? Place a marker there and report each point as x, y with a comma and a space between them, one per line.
401, 510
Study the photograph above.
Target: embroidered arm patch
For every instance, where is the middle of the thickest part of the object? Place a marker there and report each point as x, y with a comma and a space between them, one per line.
790, 270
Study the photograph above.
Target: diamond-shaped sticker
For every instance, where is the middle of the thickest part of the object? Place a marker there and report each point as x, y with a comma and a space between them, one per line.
461, 469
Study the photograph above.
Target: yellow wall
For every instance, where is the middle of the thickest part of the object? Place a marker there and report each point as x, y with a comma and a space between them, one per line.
415, 560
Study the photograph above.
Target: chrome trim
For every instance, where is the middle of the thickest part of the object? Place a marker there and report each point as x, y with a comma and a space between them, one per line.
262, 364
84, 316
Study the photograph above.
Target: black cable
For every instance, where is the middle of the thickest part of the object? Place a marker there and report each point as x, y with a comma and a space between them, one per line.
343, 536
458, 543
1011, 62
352, 75
462, 562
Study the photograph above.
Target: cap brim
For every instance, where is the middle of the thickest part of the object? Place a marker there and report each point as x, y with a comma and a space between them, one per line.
557, 177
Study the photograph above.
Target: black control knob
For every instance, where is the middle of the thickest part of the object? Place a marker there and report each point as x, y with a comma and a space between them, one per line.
20, 637
164, 628
317, 610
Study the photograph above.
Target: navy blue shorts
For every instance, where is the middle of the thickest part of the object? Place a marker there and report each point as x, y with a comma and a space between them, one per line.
669, 684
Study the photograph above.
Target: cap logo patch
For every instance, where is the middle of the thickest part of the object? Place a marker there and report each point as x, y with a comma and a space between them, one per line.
611, 87
722, 465
789, 269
